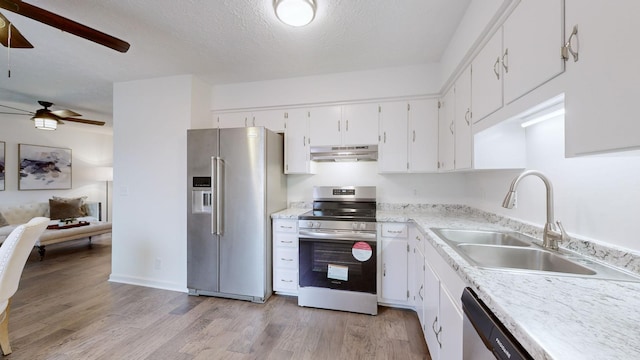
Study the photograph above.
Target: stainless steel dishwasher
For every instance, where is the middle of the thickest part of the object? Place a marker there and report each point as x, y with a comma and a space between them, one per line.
484, 335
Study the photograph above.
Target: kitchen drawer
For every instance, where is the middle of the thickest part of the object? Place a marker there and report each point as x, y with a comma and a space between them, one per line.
285, 280
394, 230
286, 240
288, 226
286, 258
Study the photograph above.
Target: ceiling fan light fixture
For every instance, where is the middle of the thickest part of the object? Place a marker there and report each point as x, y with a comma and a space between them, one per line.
295, 12
45, 124
44, 120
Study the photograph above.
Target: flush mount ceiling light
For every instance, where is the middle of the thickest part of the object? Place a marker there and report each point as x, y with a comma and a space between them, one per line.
295, 12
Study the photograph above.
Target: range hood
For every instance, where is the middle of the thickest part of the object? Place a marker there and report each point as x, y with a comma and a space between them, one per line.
344, 153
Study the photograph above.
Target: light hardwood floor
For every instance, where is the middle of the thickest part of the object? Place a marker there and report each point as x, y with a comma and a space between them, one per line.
66, 309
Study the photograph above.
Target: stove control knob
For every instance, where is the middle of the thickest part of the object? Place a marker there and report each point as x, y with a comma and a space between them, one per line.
310, 224
317, 224
363, 226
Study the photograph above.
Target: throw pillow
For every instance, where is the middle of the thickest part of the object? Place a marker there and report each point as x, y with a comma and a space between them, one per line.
3, 221
84, 208
64, 209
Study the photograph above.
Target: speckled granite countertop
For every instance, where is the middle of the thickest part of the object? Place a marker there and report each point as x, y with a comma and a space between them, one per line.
552, 316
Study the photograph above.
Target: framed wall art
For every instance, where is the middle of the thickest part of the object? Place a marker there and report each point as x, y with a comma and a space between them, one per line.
2, 162
44, 167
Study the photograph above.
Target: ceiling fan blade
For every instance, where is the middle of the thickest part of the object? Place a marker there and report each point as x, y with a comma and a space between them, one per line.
65, 113
12, 113
85, 121
64, 24
26, 112
18, 41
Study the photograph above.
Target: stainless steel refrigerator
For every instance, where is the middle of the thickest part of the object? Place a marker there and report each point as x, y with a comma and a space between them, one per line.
236, 181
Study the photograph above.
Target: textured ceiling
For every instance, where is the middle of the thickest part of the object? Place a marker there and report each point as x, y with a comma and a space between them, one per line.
221, 41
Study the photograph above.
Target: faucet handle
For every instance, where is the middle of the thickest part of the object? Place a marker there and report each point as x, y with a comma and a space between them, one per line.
563, 233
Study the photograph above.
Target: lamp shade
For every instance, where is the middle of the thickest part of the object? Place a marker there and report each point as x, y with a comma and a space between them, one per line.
295, 12
104, 173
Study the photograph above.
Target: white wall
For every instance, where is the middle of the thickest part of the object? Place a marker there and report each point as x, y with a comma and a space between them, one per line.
350, 86
151, 118
595, 197
391, 188
90, 146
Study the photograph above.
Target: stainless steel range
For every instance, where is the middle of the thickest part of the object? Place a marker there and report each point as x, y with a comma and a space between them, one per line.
337, 256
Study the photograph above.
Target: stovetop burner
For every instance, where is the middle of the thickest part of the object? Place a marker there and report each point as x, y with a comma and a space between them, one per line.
348, 203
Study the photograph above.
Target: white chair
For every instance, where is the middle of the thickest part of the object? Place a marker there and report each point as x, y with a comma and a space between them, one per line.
13, 256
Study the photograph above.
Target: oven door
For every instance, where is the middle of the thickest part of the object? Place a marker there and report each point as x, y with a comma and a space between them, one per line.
342, 260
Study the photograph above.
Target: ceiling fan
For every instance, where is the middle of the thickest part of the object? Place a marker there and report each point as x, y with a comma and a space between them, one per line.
49, 119
12, 38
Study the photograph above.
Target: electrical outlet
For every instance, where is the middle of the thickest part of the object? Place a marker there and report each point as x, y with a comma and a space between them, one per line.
158, 264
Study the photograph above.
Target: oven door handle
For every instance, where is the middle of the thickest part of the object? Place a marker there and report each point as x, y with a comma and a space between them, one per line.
337, 235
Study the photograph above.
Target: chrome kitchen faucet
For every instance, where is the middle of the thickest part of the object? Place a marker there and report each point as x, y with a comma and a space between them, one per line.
553, 230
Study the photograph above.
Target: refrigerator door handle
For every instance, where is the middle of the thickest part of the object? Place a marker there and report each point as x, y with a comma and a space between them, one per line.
219, 173
214, 212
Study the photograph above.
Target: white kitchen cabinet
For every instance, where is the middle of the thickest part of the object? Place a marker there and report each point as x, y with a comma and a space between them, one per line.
296, 150
520, 56
532, 37
326, 126
602, 85
360, 124
423, 136
450, 326
392, 149
416, 272
232, 120
271, 119
393, 264
285, 256
431, 309
486, 84
446, 131
463, 140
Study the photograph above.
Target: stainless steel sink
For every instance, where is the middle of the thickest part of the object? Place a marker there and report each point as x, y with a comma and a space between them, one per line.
527, 258
512, 251
483, 237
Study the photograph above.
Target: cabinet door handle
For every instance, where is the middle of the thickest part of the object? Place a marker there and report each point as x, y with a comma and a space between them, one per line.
384, 269
286, 227
287, 281
304, 141
437, 332
385, 137
338, 125
287, 241
254, 121
347, 127
568, 49
467, 117
451, 127
420, 291
414, 136
505, 60
495, 67
418, 238
283, 259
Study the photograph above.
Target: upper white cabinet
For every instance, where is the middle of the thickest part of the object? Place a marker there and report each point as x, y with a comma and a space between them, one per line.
408, 136
446, 132
521, 55
360, 124
392, 150
602, 85
296, 150
346, 125
423, 136
232, 120
462, 123
326, 126
533, 35
486, 84
271, 119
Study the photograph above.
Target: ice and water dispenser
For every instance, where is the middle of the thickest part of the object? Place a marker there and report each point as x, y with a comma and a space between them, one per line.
201, 195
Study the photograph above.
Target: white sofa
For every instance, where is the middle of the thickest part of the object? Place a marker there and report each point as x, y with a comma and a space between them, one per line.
20, 214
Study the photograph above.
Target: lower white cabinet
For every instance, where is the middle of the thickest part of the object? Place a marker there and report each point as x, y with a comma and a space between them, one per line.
393, 264
285, 256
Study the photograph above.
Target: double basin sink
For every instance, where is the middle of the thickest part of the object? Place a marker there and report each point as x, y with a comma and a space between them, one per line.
515, 251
